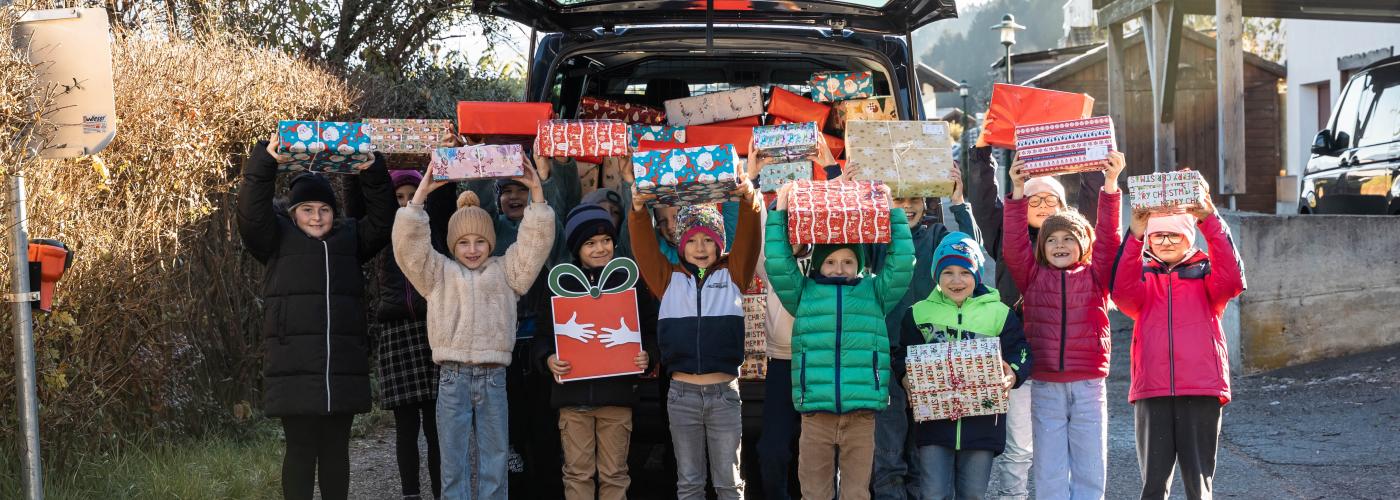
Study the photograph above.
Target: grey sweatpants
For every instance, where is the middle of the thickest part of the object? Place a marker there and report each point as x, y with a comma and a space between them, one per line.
1183, 429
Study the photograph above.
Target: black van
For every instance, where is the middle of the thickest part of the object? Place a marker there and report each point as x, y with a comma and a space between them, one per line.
1355, 163
650, 51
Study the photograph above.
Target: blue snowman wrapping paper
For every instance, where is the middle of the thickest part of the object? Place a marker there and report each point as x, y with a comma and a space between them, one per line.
690, 176
658, 133
332, 147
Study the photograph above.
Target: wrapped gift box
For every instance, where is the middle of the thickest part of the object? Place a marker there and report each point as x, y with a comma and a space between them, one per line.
1165, 191
407, 136
1065, 147
872, 109
581, 138
952, 380
593, 108
502, 118
334, 147
655, 133
773, 175
838, 212
485, 161
715, 135
747, 121
915, 158
790, 141
841, 85
715, 107
795, 108
755, 300
690, 176
1014, 105
754, 368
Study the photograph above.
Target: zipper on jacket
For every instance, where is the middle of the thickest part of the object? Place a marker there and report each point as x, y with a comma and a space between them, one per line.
1064, 314
1171, 343
802, 375
327, 249
875, 366
699, 316
838, 349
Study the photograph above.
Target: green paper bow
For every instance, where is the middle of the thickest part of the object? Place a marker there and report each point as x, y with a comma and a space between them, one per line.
595, 291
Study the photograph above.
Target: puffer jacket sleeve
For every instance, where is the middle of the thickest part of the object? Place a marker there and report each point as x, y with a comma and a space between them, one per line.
377, 222
962, 214
1015, 351
893, 279
982, 191
784, 275
1017, 251
525, 258
1107, 238
413, 250
1128, 289
1226, 278
646, 250
257, 221
748, 241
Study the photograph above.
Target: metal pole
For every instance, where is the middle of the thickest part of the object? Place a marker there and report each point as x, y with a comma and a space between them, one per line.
24, 341
1008, 64
962, 140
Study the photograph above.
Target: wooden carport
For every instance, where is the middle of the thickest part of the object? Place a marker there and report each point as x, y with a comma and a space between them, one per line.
1161, 25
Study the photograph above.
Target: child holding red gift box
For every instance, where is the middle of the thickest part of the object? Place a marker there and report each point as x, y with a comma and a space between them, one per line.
1176, 295
701, 334
1064, 282
840, 347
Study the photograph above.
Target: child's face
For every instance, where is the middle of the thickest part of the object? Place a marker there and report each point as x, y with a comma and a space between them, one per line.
841, 264
1170, 247
514, 197
1040, 206
666, 223
596, 251
701, 250
957, 283
314, 218
913, 208
471, 251
403, 194
1061, 249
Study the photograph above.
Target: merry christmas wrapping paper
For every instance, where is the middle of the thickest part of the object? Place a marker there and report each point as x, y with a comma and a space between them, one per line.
1165, 191
952, 380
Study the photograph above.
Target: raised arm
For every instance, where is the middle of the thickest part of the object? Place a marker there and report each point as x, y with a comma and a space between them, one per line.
1127, 288
378, 221
532, 248
413, 249
257, 220
784, 275
655, 268
892, 280
1226, 279
748, 239
984, 194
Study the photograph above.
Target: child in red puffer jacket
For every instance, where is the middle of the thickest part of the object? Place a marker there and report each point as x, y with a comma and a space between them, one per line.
1064, 287
1180, 367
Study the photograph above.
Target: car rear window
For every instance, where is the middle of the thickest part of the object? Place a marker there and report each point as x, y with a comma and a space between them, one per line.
630, 82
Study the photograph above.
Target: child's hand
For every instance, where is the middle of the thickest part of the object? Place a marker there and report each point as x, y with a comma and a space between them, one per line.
824, 156
782, 196
364, 165
560, 367
544, 166
885, 189
957, 198
449, 138
642, 360
905, 382
624, 168
744, 190
1204, 208
639, 200
531, 180
1139, 223
1008, 375
1114, 168
272, 150
1018, 179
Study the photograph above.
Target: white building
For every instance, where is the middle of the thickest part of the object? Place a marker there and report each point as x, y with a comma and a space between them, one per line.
1321, 57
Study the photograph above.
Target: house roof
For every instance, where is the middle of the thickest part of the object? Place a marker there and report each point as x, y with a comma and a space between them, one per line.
1100, 52
939, 81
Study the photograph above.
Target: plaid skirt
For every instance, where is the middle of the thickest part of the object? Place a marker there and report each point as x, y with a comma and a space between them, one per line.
407, 374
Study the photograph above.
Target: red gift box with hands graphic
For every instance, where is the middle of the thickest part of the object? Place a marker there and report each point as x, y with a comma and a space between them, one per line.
598, 331
1014, 105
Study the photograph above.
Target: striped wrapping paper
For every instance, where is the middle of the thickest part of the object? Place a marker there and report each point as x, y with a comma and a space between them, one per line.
573, 138
1065, 147
822, 212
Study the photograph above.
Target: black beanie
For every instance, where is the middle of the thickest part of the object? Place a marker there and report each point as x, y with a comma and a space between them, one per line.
308, 186
586, 221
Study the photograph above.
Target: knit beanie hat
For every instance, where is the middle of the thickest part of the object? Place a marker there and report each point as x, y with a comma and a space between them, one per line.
1071, 222
821, 252
1037, 185
401, 178
694, 219
586, 221
1183, 224
308, 186
470, 218
958, 249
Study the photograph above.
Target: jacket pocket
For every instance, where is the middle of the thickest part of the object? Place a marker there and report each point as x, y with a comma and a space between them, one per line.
802, 376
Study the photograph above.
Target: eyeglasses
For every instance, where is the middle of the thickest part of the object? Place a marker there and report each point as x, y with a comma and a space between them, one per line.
1166, 238
1050, 201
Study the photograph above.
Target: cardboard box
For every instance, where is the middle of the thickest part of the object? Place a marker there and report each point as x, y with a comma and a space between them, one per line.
915, 158
840, 211
331, 147
787, 142
593, 108
1014, 105
690, 176
773, 175
502, 118
1165, 191
872, 109
1065, 147
580, 138
485, 161
841, 85
952, 380
795, 108
405, 135
715, 107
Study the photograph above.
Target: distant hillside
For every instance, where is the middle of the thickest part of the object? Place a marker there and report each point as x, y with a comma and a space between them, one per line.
965, 48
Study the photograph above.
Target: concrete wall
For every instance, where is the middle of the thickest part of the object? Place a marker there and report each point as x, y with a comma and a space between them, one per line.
1319, 286
1312, 49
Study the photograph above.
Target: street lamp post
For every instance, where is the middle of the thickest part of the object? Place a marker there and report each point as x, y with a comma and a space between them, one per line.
962, 139
1008, 28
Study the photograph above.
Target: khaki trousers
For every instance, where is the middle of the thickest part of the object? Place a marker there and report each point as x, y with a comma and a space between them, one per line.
595, 439
822, 435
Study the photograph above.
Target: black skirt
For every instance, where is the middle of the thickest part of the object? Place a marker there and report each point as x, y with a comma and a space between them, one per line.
407, 374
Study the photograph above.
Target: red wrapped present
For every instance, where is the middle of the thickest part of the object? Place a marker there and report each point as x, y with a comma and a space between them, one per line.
714, 135
596, 330
795, 108
821, 212
593, 108
502, 118
581, 138
1065, 147
1014, 105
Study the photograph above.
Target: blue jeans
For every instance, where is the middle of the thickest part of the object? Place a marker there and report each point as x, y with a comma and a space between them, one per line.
781, 424
705, 420
955, 474
1071, 439
887, 482
471, 410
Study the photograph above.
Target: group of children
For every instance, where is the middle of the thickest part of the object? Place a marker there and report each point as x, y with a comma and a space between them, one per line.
454, 293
